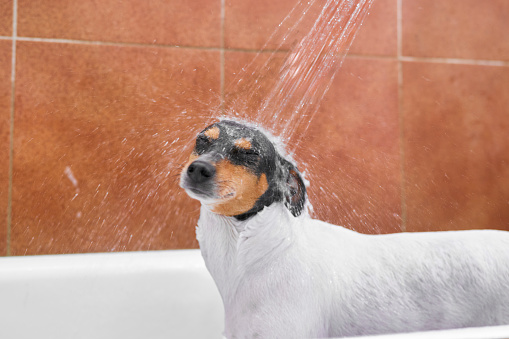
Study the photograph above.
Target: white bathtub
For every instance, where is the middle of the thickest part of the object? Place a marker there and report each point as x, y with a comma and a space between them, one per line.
163, 294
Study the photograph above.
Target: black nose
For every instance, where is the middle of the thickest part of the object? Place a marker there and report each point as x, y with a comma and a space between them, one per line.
201, 171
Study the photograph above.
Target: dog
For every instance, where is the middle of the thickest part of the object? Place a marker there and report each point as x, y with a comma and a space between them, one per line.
282, 274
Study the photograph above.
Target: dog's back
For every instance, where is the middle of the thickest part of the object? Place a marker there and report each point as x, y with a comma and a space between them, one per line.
412, 281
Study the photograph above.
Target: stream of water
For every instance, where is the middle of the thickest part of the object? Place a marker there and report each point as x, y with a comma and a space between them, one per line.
281, 89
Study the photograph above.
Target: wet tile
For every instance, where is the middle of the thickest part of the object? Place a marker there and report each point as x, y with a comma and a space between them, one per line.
186, 23
6, 18
456, 140
5, 113
349, 150
378, 34
101, 134
257, 24
456, 29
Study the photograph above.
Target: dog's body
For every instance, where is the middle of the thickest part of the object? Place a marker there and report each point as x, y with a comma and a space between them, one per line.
285, 275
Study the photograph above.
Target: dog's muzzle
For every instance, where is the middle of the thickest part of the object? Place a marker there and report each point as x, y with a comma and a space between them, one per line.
200, 172
199, 180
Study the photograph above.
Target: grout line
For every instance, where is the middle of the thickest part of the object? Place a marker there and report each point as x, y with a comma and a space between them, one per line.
370, 56
247, 50
404, 215
222, 59
110, 43
11, 127
136, 44
456, 61
222, 48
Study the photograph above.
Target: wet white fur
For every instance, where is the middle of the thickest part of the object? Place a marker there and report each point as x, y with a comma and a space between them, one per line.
286, 277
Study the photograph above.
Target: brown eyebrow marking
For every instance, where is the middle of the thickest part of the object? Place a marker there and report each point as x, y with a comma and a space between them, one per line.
212, 133
243, 143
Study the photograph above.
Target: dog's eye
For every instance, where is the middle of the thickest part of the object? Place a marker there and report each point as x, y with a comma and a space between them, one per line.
247, 152
202, 144
248, 156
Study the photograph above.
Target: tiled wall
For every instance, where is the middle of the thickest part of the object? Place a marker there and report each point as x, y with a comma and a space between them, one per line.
413, 134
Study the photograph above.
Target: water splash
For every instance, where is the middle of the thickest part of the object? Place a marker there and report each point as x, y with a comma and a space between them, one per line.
281, 89
140, 206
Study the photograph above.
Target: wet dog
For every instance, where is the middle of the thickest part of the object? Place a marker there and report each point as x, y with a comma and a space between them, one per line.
282, 274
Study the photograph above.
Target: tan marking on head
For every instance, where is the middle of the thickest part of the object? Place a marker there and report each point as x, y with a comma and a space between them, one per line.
212, 133
243, 143
247, 187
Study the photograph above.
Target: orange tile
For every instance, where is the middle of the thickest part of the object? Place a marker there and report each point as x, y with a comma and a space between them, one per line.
250, 24
101, 135
186, 23
5, 113
249, 78
350, 152
456, 141
456, 29
378, 34
6, 18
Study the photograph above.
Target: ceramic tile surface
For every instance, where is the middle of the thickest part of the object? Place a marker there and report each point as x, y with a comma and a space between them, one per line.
456, 141
250, 23
187, 23
466, 29
102, 133
6, 18
378, 34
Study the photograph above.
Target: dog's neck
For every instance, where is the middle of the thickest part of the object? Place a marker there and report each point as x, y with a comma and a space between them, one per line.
231, 247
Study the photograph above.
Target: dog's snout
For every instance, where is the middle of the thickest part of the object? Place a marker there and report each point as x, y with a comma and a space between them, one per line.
201, 171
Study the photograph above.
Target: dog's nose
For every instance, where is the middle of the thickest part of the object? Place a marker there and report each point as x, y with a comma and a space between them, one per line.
201, 171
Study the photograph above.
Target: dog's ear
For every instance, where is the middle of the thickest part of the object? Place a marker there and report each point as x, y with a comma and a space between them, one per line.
295, 192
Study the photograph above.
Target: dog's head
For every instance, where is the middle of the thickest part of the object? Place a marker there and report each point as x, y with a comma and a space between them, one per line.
236, 171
